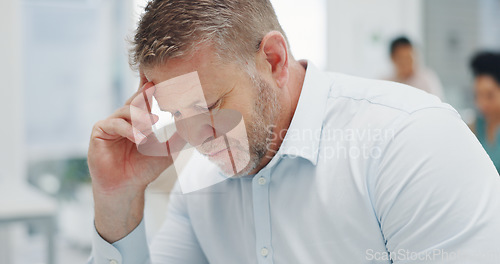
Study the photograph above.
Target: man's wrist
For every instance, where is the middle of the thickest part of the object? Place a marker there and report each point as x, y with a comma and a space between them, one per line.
121, 190
116, 215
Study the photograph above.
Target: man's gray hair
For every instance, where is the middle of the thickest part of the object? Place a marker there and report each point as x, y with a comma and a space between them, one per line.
176, 28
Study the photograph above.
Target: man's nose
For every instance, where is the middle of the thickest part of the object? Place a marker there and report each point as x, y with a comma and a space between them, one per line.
196, 129
200, 128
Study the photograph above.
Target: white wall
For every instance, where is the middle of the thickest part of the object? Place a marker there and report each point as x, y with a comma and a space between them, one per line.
305, 25
490, 24
12, 131
452, 31
455, 30
69, 56
359, 32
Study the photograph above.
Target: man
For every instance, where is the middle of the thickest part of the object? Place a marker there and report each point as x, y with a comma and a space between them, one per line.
407, 71
341, 169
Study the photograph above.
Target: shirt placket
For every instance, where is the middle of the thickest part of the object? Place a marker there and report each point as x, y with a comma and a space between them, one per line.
261, 207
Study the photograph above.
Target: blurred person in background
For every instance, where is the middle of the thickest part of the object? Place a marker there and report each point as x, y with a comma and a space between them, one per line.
486, 69
407, 70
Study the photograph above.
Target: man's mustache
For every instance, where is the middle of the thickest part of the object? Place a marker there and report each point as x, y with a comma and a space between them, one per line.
213, 145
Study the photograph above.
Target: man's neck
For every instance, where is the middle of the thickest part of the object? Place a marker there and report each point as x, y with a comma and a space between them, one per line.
292, 91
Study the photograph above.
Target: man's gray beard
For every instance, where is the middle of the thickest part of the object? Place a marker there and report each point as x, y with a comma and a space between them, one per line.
266, 109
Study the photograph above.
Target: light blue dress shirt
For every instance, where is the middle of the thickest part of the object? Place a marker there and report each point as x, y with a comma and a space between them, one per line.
369, 172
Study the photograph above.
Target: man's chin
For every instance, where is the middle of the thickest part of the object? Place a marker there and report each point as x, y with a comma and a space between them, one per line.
231, 171
234, 164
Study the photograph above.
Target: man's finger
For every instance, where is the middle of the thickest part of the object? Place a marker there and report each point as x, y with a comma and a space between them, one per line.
142, 119
125, 113
144, 99
115, 128
142, 88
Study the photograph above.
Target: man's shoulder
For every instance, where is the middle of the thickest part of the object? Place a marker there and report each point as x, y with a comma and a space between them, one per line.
385, 94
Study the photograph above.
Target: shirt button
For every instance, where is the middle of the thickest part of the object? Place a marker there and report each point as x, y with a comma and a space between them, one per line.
113, 261
264, 252
262, 181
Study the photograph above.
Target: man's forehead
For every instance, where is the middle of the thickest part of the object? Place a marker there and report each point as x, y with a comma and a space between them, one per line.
180, 92
185, 83
165, 73
187, 80
203, 61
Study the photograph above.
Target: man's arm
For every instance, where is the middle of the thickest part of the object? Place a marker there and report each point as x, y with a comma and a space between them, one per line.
175, 243
437, 193
120, 175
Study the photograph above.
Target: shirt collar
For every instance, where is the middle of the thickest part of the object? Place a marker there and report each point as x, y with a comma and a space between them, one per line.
303, 136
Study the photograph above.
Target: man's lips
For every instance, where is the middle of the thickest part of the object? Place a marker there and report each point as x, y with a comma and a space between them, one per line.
216, 152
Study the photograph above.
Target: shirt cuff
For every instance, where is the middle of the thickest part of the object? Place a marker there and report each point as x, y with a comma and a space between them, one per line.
132, 249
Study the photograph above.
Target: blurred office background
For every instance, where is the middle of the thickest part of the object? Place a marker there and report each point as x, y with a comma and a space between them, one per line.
64, 67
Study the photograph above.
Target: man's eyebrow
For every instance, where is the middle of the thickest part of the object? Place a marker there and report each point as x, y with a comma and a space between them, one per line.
194, 104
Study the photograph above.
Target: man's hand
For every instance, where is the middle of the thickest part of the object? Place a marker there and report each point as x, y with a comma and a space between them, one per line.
120, 173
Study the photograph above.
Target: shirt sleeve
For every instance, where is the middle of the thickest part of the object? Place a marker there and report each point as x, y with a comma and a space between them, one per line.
175, 243
131, 249
437, 193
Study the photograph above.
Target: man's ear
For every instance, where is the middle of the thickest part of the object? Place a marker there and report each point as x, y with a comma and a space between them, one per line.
274, 51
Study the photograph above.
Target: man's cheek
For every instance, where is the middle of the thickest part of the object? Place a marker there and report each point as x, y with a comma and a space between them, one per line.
240, 146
